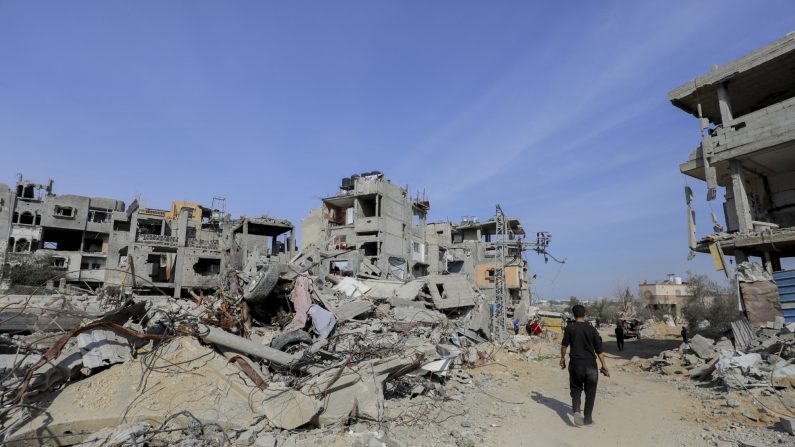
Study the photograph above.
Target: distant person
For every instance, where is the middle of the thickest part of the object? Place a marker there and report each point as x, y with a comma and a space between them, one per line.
586, 346
516, 326
620, 336
684, 334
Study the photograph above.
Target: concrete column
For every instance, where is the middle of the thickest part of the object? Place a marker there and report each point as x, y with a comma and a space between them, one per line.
740, 257
725, 104
182, 234
768, 262
776, 263
741, 204
244, 241
292, 240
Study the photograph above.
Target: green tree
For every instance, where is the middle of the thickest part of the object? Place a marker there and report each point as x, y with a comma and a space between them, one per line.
32, 272
605, 310
710, 302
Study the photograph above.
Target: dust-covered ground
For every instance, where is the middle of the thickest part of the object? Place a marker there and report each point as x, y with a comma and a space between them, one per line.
521, 398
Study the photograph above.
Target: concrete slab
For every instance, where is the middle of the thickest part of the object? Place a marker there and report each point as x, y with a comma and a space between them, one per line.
103, 347
351, 310
702, 347
182, 376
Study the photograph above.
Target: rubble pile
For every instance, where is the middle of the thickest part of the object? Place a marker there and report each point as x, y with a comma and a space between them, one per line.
275, 349
764, 357
759, 361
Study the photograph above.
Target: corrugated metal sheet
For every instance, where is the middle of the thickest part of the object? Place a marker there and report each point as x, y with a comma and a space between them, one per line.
785, 280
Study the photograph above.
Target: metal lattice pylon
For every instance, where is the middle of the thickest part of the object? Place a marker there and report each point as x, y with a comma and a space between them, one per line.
499, 316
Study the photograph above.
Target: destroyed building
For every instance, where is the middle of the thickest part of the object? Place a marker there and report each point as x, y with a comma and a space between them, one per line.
746, 111
98, 242
373, 228
378, 306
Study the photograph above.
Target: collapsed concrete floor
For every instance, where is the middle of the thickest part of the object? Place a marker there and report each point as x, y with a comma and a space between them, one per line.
296, 358
517, 397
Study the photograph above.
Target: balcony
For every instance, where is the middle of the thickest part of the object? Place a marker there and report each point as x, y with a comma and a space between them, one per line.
157, 239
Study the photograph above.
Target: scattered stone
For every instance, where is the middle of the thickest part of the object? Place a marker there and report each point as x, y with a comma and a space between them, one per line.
702, 346
751, 416
788, 424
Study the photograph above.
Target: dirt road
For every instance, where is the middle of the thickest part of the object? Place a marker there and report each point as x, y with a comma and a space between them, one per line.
631, 409
516, 402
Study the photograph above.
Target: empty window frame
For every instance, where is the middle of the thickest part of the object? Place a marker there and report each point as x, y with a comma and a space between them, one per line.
207, 267
64, 211
27, 218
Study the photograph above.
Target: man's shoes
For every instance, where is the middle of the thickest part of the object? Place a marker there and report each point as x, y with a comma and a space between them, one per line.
588, 421
578, 419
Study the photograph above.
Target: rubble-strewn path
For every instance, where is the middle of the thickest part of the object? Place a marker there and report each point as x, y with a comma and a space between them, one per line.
631, 409
516, 402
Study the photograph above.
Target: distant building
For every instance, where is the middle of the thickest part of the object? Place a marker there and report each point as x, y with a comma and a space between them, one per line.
670, 295
97, 242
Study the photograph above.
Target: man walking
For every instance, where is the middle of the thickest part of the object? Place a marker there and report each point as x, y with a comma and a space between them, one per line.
684, 334
586, 345
620, 335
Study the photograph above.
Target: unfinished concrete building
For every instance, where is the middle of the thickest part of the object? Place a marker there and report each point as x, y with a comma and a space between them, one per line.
98, 242
747, 118
468, 249
374, 229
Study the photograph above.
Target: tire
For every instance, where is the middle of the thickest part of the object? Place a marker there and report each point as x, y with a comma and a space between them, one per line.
290, 339
263, 284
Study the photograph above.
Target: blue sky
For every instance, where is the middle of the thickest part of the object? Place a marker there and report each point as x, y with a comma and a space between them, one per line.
557, 110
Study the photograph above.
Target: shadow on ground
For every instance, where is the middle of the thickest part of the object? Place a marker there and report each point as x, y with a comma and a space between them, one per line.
643, 348
562, 409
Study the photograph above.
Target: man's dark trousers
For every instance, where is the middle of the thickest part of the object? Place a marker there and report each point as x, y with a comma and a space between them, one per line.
583, 376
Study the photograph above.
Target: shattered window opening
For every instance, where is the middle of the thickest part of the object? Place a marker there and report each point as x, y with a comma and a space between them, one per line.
64, 211
26, 218
22, 246
207, 267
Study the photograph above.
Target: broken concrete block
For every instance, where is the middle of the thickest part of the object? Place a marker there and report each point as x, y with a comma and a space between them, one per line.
290, 409
184, 376
400, 302
265, 440
352, 287
351, 310
700, 371
103, 347
126, 434
17, 364
418, 316
410, 290
66, 366
702, 347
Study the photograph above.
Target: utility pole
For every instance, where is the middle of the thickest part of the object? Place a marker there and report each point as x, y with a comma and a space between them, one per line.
499, 316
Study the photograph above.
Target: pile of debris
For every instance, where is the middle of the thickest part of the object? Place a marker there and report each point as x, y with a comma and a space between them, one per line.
761, 357
276, 348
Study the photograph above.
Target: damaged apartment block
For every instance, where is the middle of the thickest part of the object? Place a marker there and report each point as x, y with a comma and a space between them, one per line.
746, 111
374, 229
98, 242
251, 334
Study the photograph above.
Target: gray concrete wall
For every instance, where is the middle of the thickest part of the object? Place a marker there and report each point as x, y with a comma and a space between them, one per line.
6, 212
